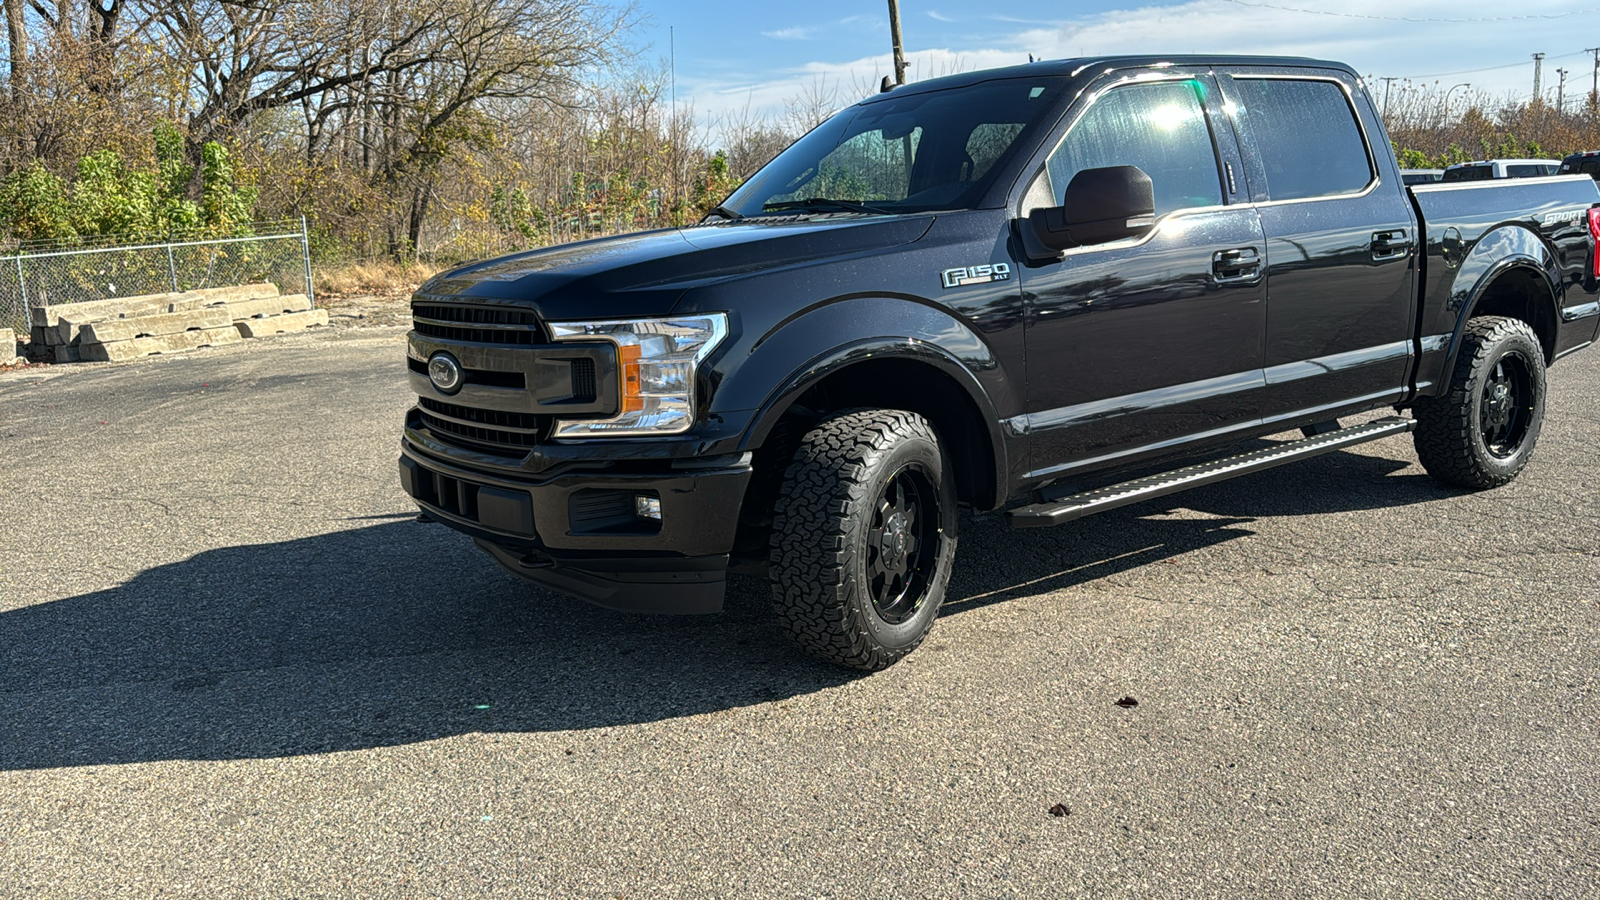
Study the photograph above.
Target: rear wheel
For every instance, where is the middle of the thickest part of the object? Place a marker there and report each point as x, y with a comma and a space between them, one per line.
1481, 433
863, 537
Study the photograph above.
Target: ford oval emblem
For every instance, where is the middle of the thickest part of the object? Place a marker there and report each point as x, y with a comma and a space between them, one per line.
445, 373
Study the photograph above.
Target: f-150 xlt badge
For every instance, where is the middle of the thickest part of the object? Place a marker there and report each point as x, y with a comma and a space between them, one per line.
974, 275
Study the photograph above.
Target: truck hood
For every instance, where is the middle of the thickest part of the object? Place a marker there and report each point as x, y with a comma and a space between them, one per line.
647, 273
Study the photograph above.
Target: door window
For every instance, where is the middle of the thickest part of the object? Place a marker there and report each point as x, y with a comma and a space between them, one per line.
1159, 127
1308, 138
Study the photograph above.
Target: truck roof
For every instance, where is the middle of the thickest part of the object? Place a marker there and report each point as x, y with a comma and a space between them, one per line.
1074, 66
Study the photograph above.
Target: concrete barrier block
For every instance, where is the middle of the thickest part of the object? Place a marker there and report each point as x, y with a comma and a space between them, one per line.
8, 346
112, 330
95, 310
166, 343
63, 353
144, 304
269, 306
267, 325
233, 294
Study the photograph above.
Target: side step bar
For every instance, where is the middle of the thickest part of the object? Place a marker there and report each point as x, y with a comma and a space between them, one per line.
1055, 512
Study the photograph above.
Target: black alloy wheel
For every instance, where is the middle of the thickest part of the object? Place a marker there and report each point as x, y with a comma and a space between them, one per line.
1506, 407
902, 545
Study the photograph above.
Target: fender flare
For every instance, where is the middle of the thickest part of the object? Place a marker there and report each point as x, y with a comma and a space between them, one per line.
804, 349
1501, 250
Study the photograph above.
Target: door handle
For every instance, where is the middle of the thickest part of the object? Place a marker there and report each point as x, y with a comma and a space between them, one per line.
1241, 265
1390, 244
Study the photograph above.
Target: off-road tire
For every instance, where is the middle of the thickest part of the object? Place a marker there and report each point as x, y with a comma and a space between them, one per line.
842, 476
1450, 436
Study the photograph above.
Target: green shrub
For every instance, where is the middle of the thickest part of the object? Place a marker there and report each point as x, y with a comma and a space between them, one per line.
34, 205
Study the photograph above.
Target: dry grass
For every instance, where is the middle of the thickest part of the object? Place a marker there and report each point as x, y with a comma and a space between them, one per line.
372, 279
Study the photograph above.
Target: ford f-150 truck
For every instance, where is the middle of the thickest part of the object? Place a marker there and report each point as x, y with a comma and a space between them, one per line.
1045, 291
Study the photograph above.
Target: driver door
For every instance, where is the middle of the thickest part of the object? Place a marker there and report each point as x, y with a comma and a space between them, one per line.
1143, 346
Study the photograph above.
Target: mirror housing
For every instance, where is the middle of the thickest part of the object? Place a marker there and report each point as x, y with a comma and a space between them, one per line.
1098, 206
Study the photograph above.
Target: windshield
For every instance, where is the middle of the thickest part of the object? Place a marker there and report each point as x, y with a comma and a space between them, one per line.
911, 153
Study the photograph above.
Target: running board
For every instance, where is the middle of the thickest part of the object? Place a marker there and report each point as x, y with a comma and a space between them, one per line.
1077, 506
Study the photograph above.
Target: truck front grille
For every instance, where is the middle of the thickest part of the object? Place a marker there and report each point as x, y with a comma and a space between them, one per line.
509, 434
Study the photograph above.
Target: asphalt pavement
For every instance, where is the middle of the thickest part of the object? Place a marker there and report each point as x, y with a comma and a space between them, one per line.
232, 665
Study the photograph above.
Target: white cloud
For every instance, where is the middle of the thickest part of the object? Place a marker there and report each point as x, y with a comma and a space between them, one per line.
937, 16
796, 33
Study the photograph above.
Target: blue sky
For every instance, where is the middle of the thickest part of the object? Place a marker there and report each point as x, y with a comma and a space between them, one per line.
733, 54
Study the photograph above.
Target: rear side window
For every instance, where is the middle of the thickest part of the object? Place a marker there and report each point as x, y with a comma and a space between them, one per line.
1470, 173
1308, 138
1159, 127
1526, 171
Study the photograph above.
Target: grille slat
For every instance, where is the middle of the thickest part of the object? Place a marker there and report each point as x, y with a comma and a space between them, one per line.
476, 315
477, 324
475, 335
494, 418
492, 439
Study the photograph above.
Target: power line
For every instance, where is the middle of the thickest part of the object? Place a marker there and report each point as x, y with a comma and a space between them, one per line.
1343, 15
1514, 65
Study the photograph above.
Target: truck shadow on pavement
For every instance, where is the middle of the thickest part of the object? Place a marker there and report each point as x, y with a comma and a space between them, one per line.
395, 633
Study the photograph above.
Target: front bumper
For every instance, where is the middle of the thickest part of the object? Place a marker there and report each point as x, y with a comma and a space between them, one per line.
577, 531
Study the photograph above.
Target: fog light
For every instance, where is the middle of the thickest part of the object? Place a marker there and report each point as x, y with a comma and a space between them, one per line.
647, 507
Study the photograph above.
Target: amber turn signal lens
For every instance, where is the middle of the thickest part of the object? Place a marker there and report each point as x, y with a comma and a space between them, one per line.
632, 381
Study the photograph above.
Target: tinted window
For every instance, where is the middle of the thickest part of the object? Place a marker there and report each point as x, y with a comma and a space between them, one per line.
1526, 171
1469, 173
1307, 136
870, 166
1159, 127
907, 152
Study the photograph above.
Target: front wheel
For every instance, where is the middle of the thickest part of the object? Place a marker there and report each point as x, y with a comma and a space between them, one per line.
1481, 433
863, 537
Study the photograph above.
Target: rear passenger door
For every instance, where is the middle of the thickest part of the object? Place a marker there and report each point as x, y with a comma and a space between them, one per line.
1339, 233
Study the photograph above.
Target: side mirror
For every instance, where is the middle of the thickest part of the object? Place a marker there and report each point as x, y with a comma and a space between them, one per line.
1099, 206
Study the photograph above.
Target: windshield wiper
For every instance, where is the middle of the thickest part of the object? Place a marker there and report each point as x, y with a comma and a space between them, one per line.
726, 213
821, 204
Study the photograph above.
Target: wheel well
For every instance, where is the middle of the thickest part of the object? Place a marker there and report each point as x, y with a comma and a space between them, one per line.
916, 387
1521, 293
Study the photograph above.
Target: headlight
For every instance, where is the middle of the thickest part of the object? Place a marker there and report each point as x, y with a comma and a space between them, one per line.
659, 358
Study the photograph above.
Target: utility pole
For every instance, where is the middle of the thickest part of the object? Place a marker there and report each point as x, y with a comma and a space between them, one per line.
1538, 67
894, 33
1561, 91
1594, 88
1386, 82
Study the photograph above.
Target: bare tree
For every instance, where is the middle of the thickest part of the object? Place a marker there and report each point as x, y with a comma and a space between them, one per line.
17, 43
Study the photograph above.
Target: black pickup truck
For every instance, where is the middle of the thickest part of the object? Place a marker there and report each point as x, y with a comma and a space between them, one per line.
1047, 290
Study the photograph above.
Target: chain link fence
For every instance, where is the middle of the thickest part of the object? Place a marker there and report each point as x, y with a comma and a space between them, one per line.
41, 273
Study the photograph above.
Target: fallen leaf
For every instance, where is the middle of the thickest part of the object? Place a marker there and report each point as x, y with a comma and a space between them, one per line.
1127, 703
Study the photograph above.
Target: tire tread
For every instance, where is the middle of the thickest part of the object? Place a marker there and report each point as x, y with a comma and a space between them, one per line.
827, 481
